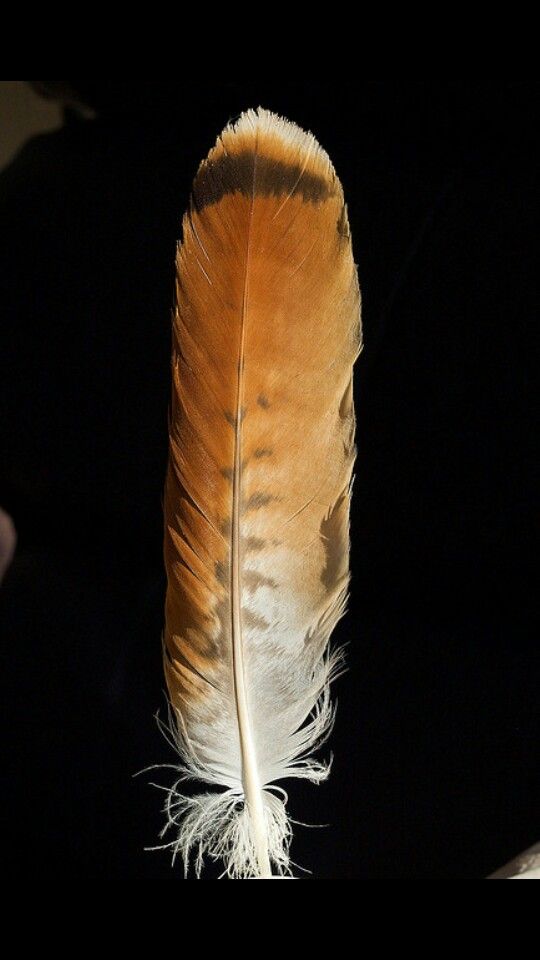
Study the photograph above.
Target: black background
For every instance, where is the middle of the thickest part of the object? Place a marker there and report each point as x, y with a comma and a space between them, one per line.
435, 773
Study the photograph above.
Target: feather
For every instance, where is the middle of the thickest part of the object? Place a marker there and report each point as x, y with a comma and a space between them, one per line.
265, 333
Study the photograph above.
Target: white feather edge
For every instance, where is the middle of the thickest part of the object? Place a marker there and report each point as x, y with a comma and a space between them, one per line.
289, 133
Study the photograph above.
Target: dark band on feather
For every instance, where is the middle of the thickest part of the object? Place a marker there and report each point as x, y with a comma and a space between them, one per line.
234, 173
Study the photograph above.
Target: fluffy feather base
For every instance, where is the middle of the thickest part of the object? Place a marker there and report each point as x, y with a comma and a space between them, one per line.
218, 826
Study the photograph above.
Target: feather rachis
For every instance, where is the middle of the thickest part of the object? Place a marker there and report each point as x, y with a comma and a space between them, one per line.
266, 330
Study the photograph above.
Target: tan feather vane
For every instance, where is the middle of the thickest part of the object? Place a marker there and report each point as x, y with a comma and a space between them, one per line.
266, 331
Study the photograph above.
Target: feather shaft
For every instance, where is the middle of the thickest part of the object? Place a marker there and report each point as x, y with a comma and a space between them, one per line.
250, 773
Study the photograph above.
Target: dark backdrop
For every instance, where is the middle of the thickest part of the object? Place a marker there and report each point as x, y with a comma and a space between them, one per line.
435, 770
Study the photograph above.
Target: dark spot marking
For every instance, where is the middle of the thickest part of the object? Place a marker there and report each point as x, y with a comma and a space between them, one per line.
345, 405
254, 580
225, 527
334, 532
263, 401
221, 570
227, 472
268, 177
343, 224
261, 452
276, 543
258, 500
230, 417
254, 620
254, 543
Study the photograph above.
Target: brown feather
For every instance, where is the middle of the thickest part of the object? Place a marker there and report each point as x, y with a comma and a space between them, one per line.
266, 330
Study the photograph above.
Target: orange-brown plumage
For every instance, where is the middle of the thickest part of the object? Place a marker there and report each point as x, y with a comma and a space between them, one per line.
266, 330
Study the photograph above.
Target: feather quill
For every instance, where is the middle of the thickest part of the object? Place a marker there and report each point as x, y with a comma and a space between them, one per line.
265, 333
